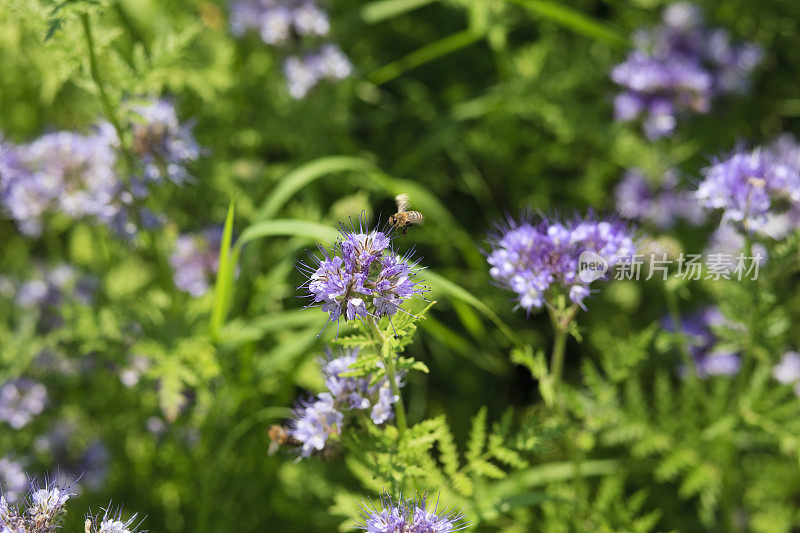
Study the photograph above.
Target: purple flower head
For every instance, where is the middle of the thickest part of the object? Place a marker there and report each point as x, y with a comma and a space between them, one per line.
13, 482
661, 207
275, 20
20, 401
787, 371
162, 143
540, 261
701, 339
361, 276
47, 503
413, 515
324, 415
747, 185
112, 522
314, 422
303, 73
195, 260
61, 171
679, 67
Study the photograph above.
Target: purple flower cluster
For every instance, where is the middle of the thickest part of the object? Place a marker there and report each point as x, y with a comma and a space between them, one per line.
195, 260
13, 480
662, 207
412, 515
701, 344
322, 417
361, 277
749, 186
787, 371
679, 66
278, 22
21, 400
303, 73
162, 143
275, 20
77, 175
45, 507
540, 261
61, 171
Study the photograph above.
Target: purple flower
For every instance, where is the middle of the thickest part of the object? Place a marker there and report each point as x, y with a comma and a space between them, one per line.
412, 515
679, 67
111, 522
195, 260
61, 171
661, 207
303, 73
323, 416
314, 422
361, 277
787, 371
13, 481
698, 328
162, 143
746, 186
47, 504
538, 262
274, 20
20, 401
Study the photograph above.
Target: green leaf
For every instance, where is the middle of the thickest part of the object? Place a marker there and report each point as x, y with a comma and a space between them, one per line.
447, 287
477, 436
573, 20
385, 9
287, 228
223, 287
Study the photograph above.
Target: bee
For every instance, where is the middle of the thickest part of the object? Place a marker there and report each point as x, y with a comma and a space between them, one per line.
404, 218
279, 436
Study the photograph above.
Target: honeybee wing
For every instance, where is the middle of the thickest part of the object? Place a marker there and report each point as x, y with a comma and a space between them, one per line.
402, 202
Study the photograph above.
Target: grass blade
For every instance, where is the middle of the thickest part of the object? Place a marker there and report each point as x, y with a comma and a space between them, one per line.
573, 20
224, 284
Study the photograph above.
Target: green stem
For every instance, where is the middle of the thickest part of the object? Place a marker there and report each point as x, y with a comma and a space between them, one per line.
561, 320
391, 371
105, 100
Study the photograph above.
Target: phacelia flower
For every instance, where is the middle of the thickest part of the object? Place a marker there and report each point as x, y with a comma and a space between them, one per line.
661, 207
413, 515
540, 261
303, 73
46, 504
276, 20
111, 522
195, 260
13, 482
787, 371
20, 401
61, 171
163, 144
698, 329
324, 415
361, 277
748, 185
679, 67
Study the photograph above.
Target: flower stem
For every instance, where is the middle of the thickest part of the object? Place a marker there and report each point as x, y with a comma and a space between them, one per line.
383, 346
105, 100
561, 320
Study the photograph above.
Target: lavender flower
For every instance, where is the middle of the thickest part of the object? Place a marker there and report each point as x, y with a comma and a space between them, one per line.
195, 260
662, 207
303, 73
539, 262
111, 522
61, 171
361, 277
409, 515
679, 67
13, 482
701, 344
20, 401
314, 422
787, 371
275, 20
162, 143
746, 186
323, 416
